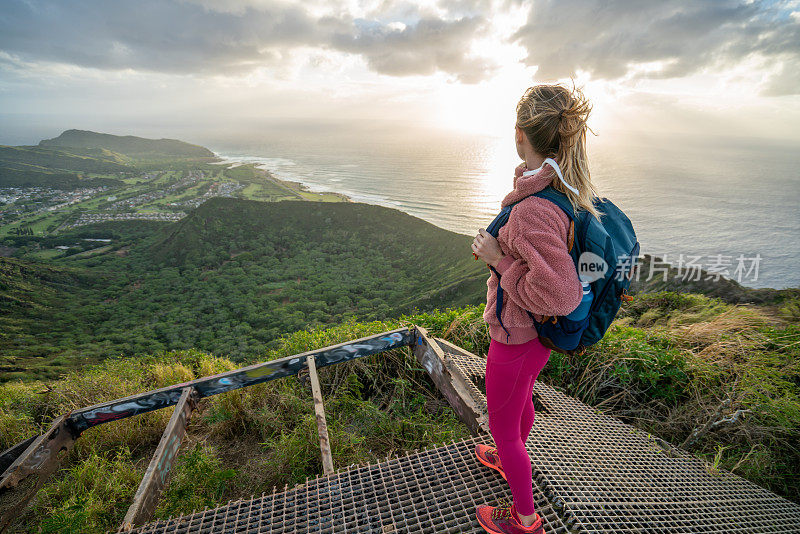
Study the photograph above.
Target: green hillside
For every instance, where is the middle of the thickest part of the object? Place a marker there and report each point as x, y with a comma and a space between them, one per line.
32, 297
47, 159
98, 153
373, 238
26, 287
129, 145
234, 275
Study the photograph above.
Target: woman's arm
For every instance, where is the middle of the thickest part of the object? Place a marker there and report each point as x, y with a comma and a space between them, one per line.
540, 276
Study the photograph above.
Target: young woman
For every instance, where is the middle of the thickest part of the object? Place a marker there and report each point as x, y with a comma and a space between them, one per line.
537, 274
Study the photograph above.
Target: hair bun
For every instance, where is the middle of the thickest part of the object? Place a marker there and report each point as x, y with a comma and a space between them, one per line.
554, 120
577, 109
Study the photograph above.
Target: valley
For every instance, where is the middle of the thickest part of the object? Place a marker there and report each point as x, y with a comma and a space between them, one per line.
183, 253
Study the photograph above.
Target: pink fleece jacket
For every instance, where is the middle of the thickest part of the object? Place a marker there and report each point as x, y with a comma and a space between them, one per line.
537, 272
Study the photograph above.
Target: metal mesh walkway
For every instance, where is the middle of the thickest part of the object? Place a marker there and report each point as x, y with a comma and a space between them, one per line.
431, 491
605, 476
592, 473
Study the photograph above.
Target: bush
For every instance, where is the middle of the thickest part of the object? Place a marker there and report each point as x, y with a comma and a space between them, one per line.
198, 480
89, 496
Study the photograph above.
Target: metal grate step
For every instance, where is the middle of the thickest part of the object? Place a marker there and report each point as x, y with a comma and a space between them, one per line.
432, 491
607, 476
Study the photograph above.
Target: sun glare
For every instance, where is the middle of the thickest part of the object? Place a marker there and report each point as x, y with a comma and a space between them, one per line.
501, 158
488, 108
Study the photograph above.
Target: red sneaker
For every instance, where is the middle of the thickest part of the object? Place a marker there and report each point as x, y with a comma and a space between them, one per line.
488, 457
504, 520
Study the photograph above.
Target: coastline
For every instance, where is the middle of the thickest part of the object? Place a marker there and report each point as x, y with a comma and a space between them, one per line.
303, 187
299, 189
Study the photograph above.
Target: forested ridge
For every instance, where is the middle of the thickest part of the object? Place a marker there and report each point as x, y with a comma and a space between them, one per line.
230, 278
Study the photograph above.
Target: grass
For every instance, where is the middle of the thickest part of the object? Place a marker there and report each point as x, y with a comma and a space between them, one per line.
199, 480
107, 480
46, 254
239, 443
667, 365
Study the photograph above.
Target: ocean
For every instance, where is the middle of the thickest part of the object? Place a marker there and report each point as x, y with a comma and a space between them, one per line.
731, 205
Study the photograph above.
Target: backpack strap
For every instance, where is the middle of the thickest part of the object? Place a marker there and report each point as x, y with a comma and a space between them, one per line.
560, 200
494, 229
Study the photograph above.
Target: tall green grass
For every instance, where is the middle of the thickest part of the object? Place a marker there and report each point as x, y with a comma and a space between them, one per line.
666, 365
239, 443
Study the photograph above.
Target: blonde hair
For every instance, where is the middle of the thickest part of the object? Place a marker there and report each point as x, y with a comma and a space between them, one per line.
554, 121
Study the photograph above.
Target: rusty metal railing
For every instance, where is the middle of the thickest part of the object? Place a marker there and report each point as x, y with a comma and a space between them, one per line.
27, 465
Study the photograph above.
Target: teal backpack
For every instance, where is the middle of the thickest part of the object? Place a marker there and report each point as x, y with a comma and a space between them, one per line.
605, 255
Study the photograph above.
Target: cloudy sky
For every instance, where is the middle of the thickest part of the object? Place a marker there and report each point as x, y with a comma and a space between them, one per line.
703, 66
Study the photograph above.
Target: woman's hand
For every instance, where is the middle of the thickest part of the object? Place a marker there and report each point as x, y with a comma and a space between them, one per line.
486, 246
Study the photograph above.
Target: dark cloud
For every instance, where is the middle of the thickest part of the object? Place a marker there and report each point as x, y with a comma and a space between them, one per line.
186, 37
151, 35
423, 48
605, 37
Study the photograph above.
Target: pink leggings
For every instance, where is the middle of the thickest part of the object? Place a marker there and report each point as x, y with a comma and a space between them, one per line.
510, 373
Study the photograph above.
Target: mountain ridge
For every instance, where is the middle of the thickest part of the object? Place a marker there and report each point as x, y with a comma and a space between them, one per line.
129, 145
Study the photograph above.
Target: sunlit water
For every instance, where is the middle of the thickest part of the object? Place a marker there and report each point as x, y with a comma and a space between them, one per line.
690, 197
